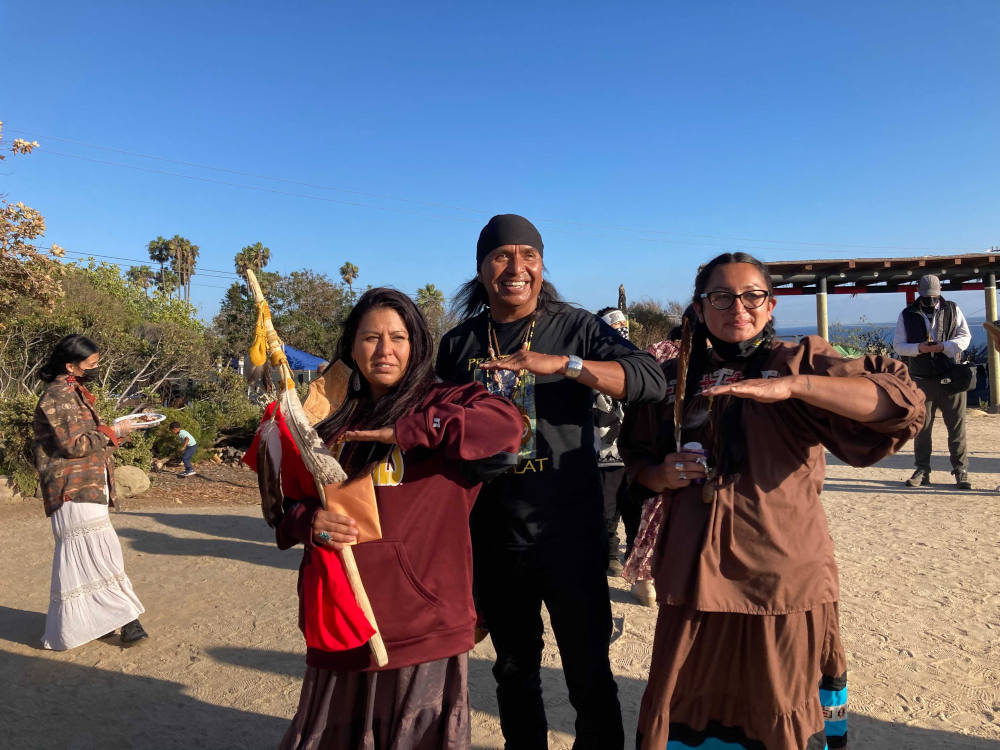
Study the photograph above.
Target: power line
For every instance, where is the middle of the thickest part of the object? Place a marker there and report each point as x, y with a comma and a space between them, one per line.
661, 235
146, 261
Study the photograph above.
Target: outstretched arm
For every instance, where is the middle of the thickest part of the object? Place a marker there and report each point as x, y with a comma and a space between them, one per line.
855, 398
606, 377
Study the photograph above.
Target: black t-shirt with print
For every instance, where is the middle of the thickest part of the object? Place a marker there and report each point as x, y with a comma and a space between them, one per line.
554, 491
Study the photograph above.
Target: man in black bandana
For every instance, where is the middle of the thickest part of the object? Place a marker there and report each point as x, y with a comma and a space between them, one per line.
931, 335
538, 531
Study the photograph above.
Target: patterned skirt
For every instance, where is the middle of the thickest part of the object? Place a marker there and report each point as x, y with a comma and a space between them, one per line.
745, 682
420, 707
90, 594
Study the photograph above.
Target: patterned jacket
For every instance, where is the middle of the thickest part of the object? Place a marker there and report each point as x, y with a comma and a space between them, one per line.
73, 450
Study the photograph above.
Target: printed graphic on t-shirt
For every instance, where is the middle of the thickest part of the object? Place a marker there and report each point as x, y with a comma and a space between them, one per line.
722, 376
521, 391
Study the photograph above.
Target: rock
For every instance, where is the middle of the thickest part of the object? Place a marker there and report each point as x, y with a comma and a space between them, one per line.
158, 464
131, 481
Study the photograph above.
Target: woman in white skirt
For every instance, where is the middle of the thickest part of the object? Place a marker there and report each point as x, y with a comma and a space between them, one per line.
91, 597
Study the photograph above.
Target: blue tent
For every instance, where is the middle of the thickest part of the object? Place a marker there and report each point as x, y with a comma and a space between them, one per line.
297, 359
300, 360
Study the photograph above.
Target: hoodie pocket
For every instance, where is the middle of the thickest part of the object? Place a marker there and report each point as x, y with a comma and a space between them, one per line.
404, 608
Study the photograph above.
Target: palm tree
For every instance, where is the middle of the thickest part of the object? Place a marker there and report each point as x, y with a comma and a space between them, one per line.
349, 272
167, 282
141, 276
253, 256
183, 258
159, 252
429, 297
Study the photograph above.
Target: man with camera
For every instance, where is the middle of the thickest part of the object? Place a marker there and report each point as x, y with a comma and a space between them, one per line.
931, 334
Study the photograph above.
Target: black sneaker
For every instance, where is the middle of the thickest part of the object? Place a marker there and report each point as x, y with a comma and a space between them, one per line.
920, 478
132, 633
962, 480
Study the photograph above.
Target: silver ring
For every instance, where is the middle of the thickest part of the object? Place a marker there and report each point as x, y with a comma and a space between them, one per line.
682, 475
323, 536
679, 466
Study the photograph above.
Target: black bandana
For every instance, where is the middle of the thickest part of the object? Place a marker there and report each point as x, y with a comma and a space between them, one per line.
506, 229
741, 350
727, 440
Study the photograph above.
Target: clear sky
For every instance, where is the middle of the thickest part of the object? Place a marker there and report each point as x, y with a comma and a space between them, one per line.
641, 138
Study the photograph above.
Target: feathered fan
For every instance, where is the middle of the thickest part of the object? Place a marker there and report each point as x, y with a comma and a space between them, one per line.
355, 499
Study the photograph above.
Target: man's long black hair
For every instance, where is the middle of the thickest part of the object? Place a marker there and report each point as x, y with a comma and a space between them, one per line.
472, 297
360, 410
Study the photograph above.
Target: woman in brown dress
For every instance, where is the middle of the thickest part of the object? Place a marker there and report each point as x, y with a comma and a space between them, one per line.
747, 651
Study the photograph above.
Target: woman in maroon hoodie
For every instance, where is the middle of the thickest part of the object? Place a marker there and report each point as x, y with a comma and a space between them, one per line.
428, 446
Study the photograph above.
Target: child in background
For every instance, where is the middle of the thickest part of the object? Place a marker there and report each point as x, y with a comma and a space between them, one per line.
188, 445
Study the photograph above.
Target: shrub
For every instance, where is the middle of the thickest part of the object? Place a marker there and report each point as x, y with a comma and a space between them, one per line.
862, 339
16, 417
165, 444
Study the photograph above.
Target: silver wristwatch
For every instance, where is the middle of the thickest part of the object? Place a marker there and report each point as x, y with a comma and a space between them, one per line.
574, 367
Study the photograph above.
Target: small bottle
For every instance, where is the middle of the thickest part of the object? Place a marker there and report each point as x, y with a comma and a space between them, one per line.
696, 447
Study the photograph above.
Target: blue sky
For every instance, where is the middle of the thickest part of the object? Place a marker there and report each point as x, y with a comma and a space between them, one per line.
641, 138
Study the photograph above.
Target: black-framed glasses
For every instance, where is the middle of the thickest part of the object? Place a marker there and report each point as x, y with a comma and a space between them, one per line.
724, 300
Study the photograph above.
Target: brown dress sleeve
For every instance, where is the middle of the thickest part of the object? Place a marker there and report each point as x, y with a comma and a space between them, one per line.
857, 443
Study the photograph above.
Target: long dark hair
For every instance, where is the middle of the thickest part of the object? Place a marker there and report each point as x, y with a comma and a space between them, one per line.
71, 349
729, 449
360, 411
471, 298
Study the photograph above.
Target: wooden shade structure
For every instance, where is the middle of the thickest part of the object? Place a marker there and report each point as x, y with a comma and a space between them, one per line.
958, 273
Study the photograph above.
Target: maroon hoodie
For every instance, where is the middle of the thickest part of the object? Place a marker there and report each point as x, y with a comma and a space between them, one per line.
418, 576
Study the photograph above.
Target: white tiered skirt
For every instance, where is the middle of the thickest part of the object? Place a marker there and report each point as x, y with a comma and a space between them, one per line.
90, 595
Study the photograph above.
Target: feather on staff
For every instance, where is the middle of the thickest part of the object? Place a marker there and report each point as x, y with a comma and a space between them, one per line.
324, 468
683, 361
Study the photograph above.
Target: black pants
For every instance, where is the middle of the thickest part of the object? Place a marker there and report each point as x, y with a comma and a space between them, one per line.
511, 586
952, 407
619, 504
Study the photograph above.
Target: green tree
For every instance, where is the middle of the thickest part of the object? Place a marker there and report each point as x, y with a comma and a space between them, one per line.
159, 252
253, 256
167, 283
429, 297
309, 311
154, 353
431, 302
349, 272
183, 260
182, 257
142, 276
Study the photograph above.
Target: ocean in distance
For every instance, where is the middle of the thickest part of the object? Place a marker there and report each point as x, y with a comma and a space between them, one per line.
793, 333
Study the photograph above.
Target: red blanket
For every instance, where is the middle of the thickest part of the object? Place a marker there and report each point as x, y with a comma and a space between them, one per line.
332, 619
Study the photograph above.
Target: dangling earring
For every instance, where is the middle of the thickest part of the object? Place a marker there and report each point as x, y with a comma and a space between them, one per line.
354, 384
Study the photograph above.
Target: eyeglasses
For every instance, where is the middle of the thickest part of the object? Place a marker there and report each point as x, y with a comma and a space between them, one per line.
724, 300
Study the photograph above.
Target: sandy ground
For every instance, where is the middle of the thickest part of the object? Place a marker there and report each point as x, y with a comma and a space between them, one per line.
920, 616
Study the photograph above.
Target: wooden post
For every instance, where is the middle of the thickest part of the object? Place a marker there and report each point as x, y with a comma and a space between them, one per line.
822, 318
992, 357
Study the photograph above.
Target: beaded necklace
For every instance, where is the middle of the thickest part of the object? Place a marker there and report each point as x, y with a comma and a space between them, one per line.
516, 391
493, 350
